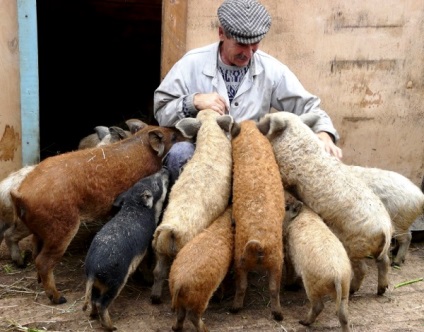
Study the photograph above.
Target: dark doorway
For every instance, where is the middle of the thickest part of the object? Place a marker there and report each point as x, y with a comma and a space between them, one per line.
99, 63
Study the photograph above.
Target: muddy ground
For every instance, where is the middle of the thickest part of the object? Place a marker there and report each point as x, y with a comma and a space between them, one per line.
24, 306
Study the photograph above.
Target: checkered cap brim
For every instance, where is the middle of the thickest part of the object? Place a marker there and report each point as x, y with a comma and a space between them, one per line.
247, 21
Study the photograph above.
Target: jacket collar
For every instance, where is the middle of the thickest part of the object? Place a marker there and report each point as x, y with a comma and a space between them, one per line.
211, 66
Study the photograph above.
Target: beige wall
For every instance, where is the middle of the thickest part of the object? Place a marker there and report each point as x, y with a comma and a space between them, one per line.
10, 120
364, 59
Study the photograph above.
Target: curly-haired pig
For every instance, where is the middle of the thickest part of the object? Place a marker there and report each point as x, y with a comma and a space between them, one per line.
198, 270
344, 201
319, 258
86, 182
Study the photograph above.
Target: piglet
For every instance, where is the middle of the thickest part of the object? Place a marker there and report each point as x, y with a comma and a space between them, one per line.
174, 161
319, 258
198, 270
120, 245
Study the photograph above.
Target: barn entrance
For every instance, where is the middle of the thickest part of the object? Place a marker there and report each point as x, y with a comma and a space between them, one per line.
99, 63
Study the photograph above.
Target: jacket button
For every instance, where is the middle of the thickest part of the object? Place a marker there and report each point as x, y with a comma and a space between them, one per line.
236, 103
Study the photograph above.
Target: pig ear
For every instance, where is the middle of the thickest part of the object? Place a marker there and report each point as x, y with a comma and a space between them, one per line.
117, 133
235, 130
147, 198
276, 124
119, 200
135, 125
156, 141
101, 131
264, 125
297, 207
225, 122
188, 127
310, 119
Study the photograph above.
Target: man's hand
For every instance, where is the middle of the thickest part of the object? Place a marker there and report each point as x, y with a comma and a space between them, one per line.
211, 101
329, 146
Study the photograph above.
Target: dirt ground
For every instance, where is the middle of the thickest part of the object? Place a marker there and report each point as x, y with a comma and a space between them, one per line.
25, 307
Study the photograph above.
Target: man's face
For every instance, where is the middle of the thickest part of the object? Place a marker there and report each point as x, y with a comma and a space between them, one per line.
234, 53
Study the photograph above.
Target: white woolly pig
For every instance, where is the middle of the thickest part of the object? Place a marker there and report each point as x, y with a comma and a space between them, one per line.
320, 259
403, 200
200, 194
348, 206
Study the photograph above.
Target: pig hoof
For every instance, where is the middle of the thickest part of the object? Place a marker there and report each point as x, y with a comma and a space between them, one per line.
109, 328
234, 310
20, 264
304, 322
94, 315
381, 290
155, 299
27, 257
293, 287
61, 300
353, 291
277, 315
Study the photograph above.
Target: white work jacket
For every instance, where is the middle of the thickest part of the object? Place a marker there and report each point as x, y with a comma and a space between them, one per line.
267, 84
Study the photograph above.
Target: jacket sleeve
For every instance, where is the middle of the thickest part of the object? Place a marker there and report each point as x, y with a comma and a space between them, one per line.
290, 96
172, 101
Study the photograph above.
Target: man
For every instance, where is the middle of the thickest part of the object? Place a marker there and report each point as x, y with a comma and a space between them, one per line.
234, 77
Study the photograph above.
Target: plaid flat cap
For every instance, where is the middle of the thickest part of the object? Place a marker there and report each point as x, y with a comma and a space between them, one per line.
247, 21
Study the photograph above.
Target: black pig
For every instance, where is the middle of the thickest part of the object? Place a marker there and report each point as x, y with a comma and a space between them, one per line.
120, 245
